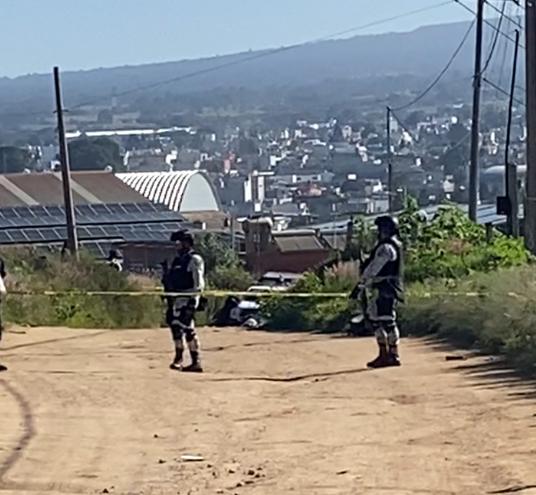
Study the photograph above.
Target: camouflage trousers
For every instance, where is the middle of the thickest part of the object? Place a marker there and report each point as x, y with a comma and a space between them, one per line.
180, 318
381, 312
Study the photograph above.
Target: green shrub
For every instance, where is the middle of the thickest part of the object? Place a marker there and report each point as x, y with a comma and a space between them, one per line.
29, 271
446, 259
452, 247
232, 277
312, 313
216, 252
500, 320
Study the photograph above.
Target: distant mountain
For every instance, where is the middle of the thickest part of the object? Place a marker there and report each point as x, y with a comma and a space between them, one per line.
372, 64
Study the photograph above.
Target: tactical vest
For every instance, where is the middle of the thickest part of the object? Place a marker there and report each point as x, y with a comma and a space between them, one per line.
179, 278
390, 279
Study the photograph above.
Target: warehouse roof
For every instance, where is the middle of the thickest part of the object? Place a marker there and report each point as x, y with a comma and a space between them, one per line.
299, 241
45, 189
184, 191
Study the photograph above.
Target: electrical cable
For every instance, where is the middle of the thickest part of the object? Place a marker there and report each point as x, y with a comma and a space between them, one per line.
436, 81
458, 144
262, 54
502, 64
503, 91
404, 126
488, 23
269, 53
500, 11
495, 40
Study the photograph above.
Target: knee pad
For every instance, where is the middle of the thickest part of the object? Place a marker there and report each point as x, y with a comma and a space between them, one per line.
380, 333
393, 334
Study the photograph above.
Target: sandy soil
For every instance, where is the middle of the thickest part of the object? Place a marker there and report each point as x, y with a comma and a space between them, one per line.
99, 412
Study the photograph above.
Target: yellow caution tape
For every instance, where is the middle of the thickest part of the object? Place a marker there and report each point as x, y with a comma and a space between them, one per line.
157, 293
227, 293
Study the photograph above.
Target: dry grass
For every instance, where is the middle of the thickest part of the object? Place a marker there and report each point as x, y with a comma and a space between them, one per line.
28, 270
500, 320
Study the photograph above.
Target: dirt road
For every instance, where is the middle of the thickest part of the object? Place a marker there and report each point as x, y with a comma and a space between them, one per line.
99, 412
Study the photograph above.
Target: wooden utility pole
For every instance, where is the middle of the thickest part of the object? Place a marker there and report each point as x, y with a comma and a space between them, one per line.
510, 172
72, 239
474, 175
389, 164
530, 69
233, 232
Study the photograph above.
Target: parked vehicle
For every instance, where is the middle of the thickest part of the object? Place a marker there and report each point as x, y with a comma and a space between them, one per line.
275, 282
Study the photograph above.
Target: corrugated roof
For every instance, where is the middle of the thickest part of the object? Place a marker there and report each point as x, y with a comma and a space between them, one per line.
172, 188
485, 214
9, 199
290, 243
336, 241
45, 189
213, 219
108, 188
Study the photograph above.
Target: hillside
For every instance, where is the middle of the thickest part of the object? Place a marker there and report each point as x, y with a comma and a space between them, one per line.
376, 64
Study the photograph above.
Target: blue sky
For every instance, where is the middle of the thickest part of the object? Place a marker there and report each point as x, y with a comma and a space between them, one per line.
82, 34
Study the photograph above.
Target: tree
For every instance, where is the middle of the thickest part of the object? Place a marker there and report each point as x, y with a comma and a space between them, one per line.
368, 129
493, 118
336, 135
95, 154
14, 160
182, 139
105, 117
222, 265
457, 133
247, 146
415, 118
455, 159
215, 252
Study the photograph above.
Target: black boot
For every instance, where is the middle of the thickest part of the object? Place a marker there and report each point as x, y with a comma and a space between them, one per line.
394, 358
3, 368
195, 367
177, 362
382, 361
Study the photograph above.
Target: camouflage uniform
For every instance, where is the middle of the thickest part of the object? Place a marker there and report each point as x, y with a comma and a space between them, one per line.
187, 274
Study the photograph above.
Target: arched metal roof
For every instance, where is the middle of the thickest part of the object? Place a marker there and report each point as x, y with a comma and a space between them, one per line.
185, 191
498, 170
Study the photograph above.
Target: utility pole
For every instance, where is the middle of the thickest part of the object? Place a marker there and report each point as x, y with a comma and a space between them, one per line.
389, 162
72, 239
510, 174
474, 175
530, 69
233, 232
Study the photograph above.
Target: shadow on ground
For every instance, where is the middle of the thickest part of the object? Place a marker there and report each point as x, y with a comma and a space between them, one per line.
485, 371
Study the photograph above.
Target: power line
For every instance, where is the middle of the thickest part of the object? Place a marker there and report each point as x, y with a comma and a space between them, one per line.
488, 23
441, 74
503, 57
503, 91
401, 123
495, 39
501, 12
243, 60
268, 53
456, 145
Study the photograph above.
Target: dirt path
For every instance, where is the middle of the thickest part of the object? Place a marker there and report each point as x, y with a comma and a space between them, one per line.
96, 412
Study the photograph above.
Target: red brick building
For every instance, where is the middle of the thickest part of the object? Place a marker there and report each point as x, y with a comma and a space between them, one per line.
288, 251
